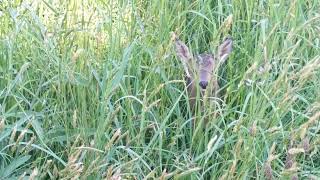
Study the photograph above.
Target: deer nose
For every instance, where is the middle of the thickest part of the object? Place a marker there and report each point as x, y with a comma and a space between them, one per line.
203, 84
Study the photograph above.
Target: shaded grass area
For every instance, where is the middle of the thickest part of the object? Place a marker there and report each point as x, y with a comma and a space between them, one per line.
92, 89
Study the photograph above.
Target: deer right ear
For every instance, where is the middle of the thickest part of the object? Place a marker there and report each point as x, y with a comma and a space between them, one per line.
225, 49
183, 53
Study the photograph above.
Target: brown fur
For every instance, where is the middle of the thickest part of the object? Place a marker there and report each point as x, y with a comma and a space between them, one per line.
200, 69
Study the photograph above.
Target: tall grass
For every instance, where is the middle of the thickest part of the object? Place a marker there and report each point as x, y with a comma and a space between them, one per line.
92, 89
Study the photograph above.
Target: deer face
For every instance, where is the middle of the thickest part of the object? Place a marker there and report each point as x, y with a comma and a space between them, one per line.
199, 69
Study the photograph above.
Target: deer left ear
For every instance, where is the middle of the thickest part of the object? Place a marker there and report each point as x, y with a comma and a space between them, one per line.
183, 53
225, 50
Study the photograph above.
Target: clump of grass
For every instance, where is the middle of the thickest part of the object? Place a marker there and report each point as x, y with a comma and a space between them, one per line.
93, 90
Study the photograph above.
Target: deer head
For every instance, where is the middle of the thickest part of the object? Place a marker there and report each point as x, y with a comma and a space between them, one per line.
199, 69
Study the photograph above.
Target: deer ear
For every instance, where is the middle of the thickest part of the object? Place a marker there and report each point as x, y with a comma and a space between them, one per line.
183, 53
225, 49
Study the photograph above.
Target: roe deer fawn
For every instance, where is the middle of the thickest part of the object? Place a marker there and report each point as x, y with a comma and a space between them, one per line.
199, 69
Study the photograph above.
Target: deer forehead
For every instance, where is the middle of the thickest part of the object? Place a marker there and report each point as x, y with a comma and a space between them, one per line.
206, 61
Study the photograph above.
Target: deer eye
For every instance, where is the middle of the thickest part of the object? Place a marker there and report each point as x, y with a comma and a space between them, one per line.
203, 84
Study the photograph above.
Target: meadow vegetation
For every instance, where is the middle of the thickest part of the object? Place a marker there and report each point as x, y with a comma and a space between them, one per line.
92, 89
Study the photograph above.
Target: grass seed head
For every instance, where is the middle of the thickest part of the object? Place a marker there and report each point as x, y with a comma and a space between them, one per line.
13, 134
294, 151
306, 144
2, 124
34, 174
74, 119
253, 129
268, 171
289, 161
294, 177
22, 176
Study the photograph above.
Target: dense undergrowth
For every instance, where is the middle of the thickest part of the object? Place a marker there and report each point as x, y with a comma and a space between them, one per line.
92, 89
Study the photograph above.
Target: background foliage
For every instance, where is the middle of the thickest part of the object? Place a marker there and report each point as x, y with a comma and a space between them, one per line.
92, 89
